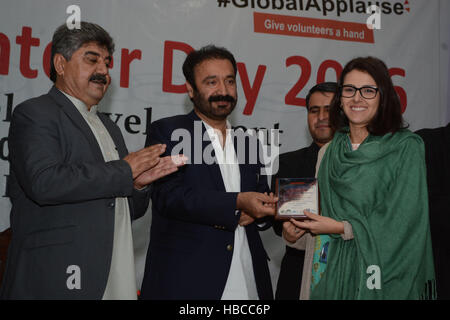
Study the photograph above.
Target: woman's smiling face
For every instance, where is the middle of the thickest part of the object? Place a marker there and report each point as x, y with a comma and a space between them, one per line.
359, 110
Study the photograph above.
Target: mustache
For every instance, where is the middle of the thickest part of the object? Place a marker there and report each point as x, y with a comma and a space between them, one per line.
99, 77
321, 123
226, 98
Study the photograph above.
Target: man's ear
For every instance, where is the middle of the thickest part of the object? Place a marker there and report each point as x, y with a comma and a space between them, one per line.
190, 90
60, 64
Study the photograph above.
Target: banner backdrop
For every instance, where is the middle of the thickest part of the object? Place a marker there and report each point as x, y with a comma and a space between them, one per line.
283, 48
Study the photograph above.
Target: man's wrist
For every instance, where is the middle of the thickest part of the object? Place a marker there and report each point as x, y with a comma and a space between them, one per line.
139, 187
239, 201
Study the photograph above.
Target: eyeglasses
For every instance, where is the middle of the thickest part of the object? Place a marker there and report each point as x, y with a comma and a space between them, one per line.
367, 92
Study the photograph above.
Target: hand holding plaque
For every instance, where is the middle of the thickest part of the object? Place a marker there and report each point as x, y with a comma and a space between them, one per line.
296, 195
256, 204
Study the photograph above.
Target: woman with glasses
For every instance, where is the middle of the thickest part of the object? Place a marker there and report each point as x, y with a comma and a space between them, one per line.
372, 239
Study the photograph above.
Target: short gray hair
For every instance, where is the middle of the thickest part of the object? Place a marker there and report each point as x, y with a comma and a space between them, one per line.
66, 41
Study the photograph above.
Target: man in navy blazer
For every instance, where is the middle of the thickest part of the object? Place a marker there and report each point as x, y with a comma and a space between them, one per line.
73, 186
204, 240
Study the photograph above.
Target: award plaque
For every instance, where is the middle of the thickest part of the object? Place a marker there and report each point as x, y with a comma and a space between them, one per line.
296, 195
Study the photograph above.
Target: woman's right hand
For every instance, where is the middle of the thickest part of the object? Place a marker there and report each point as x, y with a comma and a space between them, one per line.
291, 232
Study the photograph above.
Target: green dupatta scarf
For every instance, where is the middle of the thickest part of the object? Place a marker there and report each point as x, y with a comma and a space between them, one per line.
381, 190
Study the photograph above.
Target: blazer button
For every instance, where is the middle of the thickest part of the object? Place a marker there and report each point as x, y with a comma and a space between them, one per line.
111, 204
229, 247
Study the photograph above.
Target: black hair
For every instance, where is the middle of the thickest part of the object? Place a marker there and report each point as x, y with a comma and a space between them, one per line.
388, 118
321, 87
205, 53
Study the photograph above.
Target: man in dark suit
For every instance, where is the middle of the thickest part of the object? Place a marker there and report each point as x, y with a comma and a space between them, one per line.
437, 152
302, 164
73, 186
204, 241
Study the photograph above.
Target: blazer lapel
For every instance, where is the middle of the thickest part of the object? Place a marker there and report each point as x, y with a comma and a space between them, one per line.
242, 159
214, 168
72, 112
116, 136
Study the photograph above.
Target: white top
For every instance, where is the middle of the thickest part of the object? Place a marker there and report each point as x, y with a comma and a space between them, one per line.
241, 284
121, 280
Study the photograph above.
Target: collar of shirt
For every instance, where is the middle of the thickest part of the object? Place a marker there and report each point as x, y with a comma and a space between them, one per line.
216, 133
224, 154
80, 105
